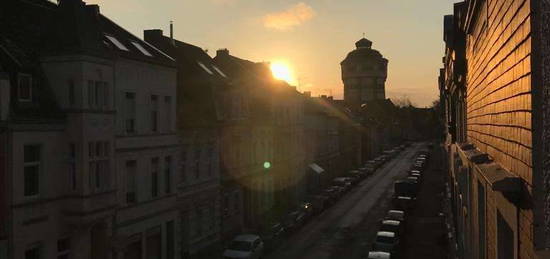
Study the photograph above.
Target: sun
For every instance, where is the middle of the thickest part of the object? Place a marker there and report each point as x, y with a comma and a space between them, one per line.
282, 71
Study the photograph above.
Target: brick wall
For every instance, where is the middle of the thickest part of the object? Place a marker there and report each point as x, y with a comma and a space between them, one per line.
498, 53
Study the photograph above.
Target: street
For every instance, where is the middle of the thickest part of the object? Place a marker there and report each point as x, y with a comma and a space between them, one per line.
340, 231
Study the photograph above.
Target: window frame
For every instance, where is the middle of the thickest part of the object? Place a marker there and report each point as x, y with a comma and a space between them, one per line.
38, 165
19, 80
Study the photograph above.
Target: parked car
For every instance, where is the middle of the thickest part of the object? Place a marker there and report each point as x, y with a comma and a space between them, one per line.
272, 234
319, 203
394, 226
365, 172
307, 208
405, 188
395, 214
404, 202
245, 246
333, 192
294, 221
386, 242
379, 255
343, 182
355, 176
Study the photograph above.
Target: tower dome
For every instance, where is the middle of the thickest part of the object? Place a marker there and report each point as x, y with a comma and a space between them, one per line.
363, 43
364, 73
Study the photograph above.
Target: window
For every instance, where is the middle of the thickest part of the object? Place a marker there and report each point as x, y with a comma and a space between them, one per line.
167, 174
130, 104
72, 165
98, 94
199, 221
170, 251
32, 158
154, 113
71, 93
154, 243
183, 165
168, 104
205, 68
63, 248
197, 162
154, 177
142, 49
481, 219
24, 87
91, 94
33, 253
505, 238
116, 42
131, 181
98, 165
219, 71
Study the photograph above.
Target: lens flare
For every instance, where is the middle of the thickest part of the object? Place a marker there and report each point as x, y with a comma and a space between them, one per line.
282, 71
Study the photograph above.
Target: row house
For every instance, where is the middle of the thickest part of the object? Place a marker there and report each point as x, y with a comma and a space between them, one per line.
495, 84
262, 158
200, 116
332, 140
90, 131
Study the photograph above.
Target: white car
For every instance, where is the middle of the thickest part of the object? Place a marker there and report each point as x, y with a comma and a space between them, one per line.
396, 215
379, 255
245, 246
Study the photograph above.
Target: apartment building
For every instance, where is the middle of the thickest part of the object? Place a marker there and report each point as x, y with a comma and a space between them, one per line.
495, 82
91, 142
202, 87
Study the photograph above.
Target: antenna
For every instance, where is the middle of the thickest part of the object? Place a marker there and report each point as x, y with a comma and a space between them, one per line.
364, 35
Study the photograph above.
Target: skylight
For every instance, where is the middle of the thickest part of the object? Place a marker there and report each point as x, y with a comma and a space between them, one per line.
219, 71
117, 43
142, 49
205, 68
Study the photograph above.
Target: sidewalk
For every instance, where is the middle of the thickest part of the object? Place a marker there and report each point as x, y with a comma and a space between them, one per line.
426, 231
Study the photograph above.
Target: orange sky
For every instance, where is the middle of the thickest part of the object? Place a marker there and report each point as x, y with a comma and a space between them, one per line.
312, 36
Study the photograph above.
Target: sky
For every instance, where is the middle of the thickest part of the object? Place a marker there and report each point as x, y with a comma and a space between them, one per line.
311, 36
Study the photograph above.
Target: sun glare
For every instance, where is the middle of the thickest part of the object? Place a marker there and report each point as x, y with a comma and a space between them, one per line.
282, 71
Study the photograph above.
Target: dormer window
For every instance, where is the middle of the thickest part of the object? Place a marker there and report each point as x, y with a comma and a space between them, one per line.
219, 71
142, 49
205, 68
24, 87
117, 43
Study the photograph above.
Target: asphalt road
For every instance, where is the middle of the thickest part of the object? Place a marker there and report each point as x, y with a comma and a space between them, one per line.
328, 233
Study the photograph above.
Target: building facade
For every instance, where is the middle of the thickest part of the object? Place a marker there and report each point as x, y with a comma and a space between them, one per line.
90, 148
201, 88
495, 84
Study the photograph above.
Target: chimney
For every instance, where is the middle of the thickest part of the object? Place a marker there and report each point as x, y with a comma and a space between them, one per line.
222, 53
4, 96
324, 96
307, 93
93, 9
330, 98
172, 33
152, 35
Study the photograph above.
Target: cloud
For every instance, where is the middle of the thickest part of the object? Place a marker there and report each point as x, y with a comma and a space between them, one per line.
290, 18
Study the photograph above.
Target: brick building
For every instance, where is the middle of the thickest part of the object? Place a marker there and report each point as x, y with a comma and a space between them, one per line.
495, 93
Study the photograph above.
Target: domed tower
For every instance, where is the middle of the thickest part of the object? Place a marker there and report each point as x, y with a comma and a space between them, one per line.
364, 73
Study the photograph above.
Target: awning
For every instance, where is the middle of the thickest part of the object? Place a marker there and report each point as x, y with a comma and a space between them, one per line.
315, 167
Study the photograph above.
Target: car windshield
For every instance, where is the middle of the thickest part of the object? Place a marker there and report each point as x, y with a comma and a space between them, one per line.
240, 246
382, 239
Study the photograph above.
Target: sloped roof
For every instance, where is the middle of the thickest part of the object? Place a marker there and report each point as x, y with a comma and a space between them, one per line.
198, 79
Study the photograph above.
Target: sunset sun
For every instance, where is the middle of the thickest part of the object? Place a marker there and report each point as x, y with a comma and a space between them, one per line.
282, 71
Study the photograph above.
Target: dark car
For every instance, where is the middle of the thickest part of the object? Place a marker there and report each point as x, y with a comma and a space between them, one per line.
404, 202
343, 182
319, 203
294, 221
333, 193
405, 188
394, 226
307, 209
272, 234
